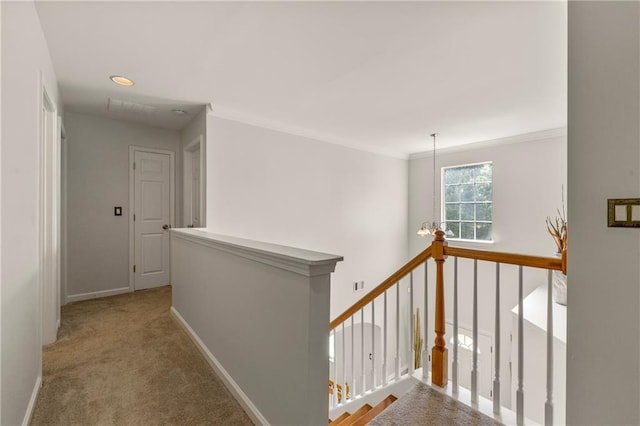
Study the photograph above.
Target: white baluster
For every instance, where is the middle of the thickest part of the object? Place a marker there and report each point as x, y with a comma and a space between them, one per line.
454, 364
520, 391
364, 357
373, 344
496, 353
343, 382
333, 372
425, 352
397, 330
353, 356
474, 367
385, 347
411, 353
548, 406
335, 358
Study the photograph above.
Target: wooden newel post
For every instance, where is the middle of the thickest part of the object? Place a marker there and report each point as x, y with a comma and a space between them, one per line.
439, 353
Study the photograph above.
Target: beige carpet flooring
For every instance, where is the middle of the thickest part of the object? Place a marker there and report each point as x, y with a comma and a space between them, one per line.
425, 406
123, 360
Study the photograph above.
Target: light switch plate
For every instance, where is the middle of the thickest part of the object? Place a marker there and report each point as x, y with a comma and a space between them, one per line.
623, 212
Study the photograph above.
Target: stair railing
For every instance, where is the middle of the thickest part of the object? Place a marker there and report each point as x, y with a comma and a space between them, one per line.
343, 329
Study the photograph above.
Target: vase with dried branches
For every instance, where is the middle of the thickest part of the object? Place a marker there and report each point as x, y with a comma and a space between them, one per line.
557, 228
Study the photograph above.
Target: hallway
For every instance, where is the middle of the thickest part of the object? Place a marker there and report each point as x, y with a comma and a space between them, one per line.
122, 360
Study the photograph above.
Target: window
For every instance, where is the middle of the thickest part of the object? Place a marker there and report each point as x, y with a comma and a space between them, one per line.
468, 201
465, 342
332, 350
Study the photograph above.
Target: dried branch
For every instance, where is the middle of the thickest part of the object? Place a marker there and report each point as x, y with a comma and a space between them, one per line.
557, 227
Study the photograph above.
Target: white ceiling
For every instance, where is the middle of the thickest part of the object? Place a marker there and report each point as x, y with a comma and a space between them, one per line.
375, 75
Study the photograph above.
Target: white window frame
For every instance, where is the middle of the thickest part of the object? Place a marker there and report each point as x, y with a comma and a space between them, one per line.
443, 202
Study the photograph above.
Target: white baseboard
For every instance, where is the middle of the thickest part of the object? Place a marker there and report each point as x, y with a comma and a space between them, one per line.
32, 402
97, 294
242, 398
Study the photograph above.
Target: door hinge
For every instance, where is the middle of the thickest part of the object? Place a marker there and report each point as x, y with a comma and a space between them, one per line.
134, 217
134, 268
134, 165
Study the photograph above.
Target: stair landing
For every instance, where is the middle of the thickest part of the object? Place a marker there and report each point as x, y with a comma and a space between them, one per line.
424, 405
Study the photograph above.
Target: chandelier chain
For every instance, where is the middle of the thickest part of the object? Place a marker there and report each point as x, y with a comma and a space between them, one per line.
433, 200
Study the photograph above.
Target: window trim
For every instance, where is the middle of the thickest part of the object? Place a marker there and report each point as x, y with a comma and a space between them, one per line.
443, 203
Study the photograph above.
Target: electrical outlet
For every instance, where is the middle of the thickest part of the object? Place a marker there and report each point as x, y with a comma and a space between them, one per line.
358, 286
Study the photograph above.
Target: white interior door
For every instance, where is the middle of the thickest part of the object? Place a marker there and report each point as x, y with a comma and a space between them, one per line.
153, 203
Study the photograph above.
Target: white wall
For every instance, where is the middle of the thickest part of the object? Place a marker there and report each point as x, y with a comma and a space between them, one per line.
24, 57
276, 187
97, 181
196, 127
0, 212
604, 162
527, 187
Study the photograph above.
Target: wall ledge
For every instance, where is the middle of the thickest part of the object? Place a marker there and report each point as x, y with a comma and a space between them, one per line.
304, 262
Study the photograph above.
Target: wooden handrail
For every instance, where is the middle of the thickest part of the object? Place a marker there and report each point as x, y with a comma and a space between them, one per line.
386, 284
512, 259
490, 256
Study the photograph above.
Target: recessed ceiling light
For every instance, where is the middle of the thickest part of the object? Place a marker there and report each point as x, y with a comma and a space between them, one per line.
122, 81
179, 111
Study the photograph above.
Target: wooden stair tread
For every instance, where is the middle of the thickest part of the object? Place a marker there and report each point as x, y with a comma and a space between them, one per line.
371, 414
356, 415
339, 419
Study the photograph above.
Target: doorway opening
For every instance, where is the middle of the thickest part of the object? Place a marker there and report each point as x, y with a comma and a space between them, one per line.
194, 183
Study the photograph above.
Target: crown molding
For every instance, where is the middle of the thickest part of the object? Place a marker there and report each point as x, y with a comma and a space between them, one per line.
227, 114
525, 137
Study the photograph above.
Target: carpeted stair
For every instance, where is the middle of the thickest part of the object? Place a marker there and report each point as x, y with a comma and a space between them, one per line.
364, 414
423, 405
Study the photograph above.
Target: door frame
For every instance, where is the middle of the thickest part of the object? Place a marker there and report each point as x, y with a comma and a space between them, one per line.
62, 223
49, 217
172, 196
196, 144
